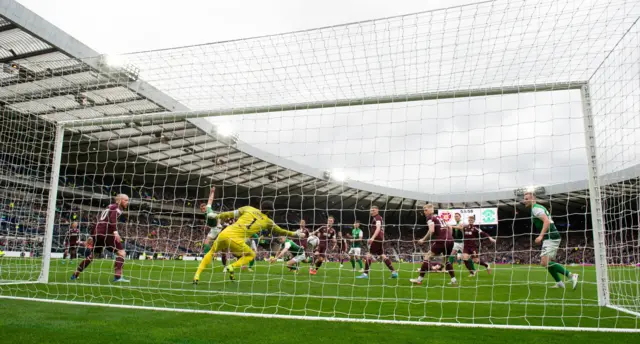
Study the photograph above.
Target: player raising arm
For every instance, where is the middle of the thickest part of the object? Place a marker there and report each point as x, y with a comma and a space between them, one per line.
470, 253
105, 235
297, 251
550, 240
441, 244
249, 221
215, 227
376, 245
355, 252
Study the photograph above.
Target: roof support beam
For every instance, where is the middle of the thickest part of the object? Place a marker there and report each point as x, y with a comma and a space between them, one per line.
27, 55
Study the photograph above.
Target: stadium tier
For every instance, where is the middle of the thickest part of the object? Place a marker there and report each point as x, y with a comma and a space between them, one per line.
470, 166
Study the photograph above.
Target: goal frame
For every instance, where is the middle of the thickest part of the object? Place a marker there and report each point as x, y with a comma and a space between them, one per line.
164, 117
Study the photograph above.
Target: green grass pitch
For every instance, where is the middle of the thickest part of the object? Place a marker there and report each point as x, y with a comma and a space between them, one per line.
514, 295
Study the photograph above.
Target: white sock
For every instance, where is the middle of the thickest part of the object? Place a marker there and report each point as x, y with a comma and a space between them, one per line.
419, 278
454, 280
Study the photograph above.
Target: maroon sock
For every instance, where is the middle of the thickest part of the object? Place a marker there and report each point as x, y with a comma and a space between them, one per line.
424, 268
468, 265
450, 269
224, 260
117, 266
318, 264
387, 262
483, 263
367, 264
83, 264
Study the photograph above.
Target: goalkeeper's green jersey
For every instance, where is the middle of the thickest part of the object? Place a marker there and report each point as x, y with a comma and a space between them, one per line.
357, 237
536, 212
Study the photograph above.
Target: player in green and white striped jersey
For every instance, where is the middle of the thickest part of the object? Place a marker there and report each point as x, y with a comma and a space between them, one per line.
458, 239
355, 251
550, 240
287, 245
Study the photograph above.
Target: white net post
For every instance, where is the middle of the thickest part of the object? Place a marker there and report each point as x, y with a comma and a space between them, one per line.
599, 243
614, 94
51, 220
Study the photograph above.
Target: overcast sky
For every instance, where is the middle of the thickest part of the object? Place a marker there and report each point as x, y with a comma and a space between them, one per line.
464, 145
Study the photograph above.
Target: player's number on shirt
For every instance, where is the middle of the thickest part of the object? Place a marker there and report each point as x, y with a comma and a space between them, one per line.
251, 224
104, 214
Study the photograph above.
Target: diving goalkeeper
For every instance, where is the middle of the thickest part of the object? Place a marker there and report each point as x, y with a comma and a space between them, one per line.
249, 221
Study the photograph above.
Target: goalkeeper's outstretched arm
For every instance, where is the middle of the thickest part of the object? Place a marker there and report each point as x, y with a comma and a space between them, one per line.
279, 231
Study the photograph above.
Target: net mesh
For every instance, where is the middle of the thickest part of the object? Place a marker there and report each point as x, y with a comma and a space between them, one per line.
522, 69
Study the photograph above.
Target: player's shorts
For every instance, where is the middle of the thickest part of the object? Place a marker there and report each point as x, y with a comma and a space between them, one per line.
108, 242
376, 248
550, 248
225, 242
213, 233
321, 249
458, 246
439, 247
471, 250
356, 251
299, 258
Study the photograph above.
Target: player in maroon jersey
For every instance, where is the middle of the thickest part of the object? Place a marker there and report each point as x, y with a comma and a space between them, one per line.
71, 243
376, 245
343, 248
326, 234
303, 241
470, 253
441, 244
105, 235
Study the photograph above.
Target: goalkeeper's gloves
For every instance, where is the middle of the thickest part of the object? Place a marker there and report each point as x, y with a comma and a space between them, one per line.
207, 247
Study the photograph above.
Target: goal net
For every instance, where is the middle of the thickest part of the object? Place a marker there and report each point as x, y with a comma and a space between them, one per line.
472, 109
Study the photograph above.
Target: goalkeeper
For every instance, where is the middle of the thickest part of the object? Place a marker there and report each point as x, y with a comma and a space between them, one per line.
249, 221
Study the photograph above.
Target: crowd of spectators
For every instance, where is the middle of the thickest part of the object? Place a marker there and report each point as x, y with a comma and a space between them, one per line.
23, 219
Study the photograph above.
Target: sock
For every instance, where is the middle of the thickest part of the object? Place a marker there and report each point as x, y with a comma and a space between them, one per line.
561, 270
318, 264
353, 263
83, 264
360, 263
204, 263
117, 267
387, 262
224, 259
367, 264
449, 267
552, 270
469, 264
424, 269
452, 259
483, 263
253, 262
292, 267
207, 247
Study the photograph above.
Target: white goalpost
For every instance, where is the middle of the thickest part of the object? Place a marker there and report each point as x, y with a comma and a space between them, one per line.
465, 108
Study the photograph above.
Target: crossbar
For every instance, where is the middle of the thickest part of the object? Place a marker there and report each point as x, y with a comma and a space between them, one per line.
164, 117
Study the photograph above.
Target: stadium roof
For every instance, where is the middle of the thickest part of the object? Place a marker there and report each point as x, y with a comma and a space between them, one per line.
49, 76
